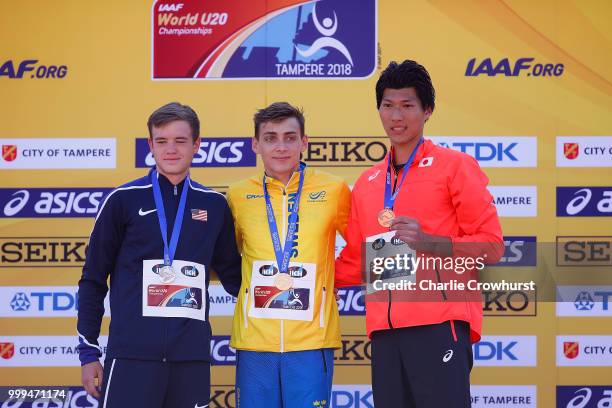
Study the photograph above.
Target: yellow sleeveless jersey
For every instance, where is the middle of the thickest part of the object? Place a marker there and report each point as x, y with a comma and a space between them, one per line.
304, 317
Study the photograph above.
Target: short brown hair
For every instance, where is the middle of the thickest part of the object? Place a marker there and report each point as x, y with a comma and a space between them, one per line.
277, 112
171, 112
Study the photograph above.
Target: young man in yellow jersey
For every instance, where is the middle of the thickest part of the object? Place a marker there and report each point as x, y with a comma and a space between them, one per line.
286, 319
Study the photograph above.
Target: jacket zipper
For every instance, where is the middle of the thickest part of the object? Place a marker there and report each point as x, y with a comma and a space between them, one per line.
322, 310
440, 281
175, 190
245, 301
389, 312
284, 236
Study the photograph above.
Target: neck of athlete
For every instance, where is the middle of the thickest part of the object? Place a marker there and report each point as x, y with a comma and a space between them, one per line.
402, 151
283, 177
175, 178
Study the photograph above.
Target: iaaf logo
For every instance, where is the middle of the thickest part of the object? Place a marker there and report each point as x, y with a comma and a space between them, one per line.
51, 202
521, 67
584, 201
213, 152
495, 151
584, 396
351, 301
31, 69
313, 39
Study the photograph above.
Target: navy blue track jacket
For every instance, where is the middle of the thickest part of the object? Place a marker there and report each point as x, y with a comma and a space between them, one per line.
127, 232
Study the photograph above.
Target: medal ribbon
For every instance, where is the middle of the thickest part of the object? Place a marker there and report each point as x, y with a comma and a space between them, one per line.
390, 198
283, 254
169, 251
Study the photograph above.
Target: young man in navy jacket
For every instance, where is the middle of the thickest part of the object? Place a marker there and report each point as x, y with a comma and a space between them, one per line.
158, 238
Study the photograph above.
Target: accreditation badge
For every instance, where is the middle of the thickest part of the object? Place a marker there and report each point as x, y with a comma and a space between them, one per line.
389, 259
276, 295
178, 291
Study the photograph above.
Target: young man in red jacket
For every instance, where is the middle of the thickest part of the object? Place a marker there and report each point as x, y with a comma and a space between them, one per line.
427, 200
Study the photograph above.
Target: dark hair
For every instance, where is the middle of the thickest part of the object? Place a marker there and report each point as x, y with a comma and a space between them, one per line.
408, 74
171, 112
277, 112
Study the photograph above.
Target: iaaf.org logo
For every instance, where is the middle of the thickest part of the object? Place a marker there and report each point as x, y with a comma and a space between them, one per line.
584, 301
584, 351
30, 68
351, 301
68, 396
495, 151
50, 202
519, 251
213, 152
509, 303
584, 201
584, 251
31, 252
584, 151
356, 349
521, 67
220, 351
323, 39
584, 396
517, 351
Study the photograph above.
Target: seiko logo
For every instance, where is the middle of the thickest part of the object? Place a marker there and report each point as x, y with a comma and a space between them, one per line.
330, 151
222, 396
584, 251
355, 350
514, 303
19, 252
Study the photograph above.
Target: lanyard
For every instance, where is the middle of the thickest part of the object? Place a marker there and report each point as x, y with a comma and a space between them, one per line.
283, 254
390, 198
169, 251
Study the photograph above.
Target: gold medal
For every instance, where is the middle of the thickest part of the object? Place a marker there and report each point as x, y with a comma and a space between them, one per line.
385, 216
283, 281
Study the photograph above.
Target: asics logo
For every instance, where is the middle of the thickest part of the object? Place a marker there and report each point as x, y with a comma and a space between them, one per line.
447, 356
141, 213
200, 406
373, 176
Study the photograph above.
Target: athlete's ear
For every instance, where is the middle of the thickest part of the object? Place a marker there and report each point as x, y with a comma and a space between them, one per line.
196, 146
428, 113
255, 145
304, 143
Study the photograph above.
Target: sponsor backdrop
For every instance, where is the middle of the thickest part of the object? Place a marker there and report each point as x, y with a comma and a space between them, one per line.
525, 88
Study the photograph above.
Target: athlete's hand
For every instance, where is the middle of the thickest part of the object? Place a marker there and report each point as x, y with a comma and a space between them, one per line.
408, 230
91, 377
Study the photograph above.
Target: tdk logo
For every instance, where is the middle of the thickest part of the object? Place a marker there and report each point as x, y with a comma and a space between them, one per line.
505, 351
494, 151
29, 68
351, 396
352, 301
221, 352
519, 251
45, 301
50, 202
20, 302
584, 201
486, 350
213, 152
521, 67
584, 301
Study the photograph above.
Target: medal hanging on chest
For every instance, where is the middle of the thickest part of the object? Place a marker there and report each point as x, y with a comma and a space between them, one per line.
386, 215
283, 280
167, 274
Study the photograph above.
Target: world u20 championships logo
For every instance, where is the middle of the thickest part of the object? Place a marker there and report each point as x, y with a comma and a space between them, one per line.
249, 39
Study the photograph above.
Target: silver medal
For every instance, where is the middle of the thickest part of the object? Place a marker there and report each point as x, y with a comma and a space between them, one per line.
167, 274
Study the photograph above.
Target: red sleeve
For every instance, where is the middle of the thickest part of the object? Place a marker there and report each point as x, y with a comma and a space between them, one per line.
481, 233
348, 264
